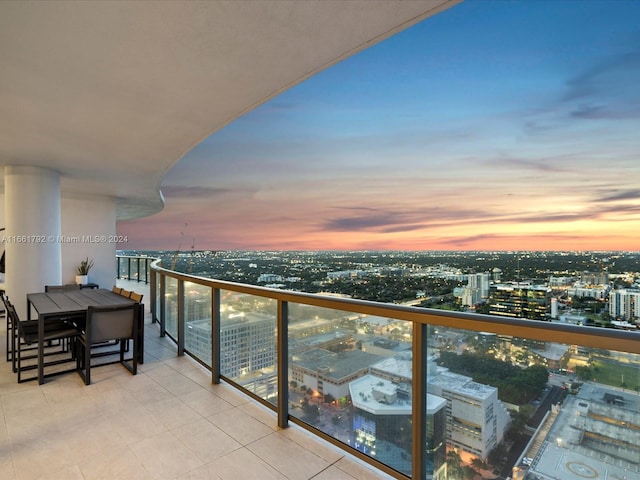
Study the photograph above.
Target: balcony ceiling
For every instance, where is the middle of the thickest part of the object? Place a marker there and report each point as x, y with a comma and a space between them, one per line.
113, 94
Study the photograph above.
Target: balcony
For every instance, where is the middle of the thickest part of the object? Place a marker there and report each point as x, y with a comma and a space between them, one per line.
387, 383
167, 422
211, 398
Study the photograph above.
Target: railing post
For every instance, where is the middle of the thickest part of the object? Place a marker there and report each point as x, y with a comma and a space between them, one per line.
215, 335
153, 292
163, 306
181, 319
419, 402
283, 363
128, 268
117, 267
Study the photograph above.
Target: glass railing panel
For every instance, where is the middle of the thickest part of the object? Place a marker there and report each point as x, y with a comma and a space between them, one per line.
171, 306
146, 270
133, 273
248, 347
517, 406
123, 267
350, 376
197, 302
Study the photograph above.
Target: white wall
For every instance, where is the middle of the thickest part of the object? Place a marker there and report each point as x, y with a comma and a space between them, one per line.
2, 225
89, 225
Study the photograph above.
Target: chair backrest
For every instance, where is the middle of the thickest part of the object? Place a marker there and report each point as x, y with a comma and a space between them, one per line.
11, 311
116, 289
61, 288
5, 300
125, 293
111, 323
136, 297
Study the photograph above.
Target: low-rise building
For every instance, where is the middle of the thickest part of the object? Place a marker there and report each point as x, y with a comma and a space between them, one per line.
329, 373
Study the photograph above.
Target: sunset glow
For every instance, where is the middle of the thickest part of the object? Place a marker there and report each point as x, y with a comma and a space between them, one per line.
491, 126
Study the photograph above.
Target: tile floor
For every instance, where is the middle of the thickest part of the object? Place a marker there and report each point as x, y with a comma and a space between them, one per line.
167, 422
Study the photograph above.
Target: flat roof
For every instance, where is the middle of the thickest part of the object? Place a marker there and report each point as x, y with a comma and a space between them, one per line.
340, 365
362, 397
565, 455
401, 366
462, 384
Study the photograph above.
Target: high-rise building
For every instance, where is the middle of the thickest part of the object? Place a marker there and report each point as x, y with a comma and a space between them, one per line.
496, 275
382, 424
481, 282
520, 300
476, 290
625, 304
476, 420
247, 343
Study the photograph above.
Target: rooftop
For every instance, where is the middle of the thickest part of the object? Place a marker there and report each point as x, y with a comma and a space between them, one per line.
340, 365
378, 396
591, 438
167, 422
462, 385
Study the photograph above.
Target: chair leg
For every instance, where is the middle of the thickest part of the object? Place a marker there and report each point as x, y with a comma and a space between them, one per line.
133, 368
15, 347
8, 337
19, 363
87, 366
135, 355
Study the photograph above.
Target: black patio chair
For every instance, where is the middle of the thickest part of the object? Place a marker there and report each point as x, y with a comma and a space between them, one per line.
118, 322
27, 338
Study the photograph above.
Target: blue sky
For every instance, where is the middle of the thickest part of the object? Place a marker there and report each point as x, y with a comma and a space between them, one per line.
493, 125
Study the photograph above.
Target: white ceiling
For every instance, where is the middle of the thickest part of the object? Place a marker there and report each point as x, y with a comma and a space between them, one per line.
112, 94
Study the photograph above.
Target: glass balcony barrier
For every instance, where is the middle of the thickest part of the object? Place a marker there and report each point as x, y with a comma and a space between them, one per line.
415, 392
133, 268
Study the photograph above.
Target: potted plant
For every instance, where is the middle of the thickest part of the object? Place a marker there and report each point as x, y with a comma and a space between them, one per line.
82, 277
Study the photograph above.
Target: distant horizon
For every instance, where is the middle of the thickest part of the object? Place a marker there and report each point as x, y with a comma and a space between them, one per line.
375, 250
492, 126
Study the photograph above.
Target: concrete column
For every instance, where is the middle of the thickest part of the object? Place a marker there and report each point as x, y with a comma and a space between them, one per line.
89, 230
32, 222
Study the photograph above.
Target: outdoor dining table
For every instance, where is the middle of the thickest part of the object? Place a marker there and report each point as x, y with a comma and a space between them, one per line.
74, 303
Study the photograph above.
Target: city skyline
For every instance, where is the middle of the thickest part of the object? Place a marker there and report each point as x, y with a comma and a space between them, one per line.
491, 126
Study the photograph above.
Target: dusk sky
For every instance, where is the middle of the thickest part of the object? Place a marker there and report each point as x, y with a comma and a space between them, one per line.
495, 125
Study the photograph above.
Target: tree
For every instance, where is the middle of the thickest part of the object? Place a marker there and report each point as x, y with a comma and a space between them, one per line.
310, 411
468, 472
454, 466
499, 456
